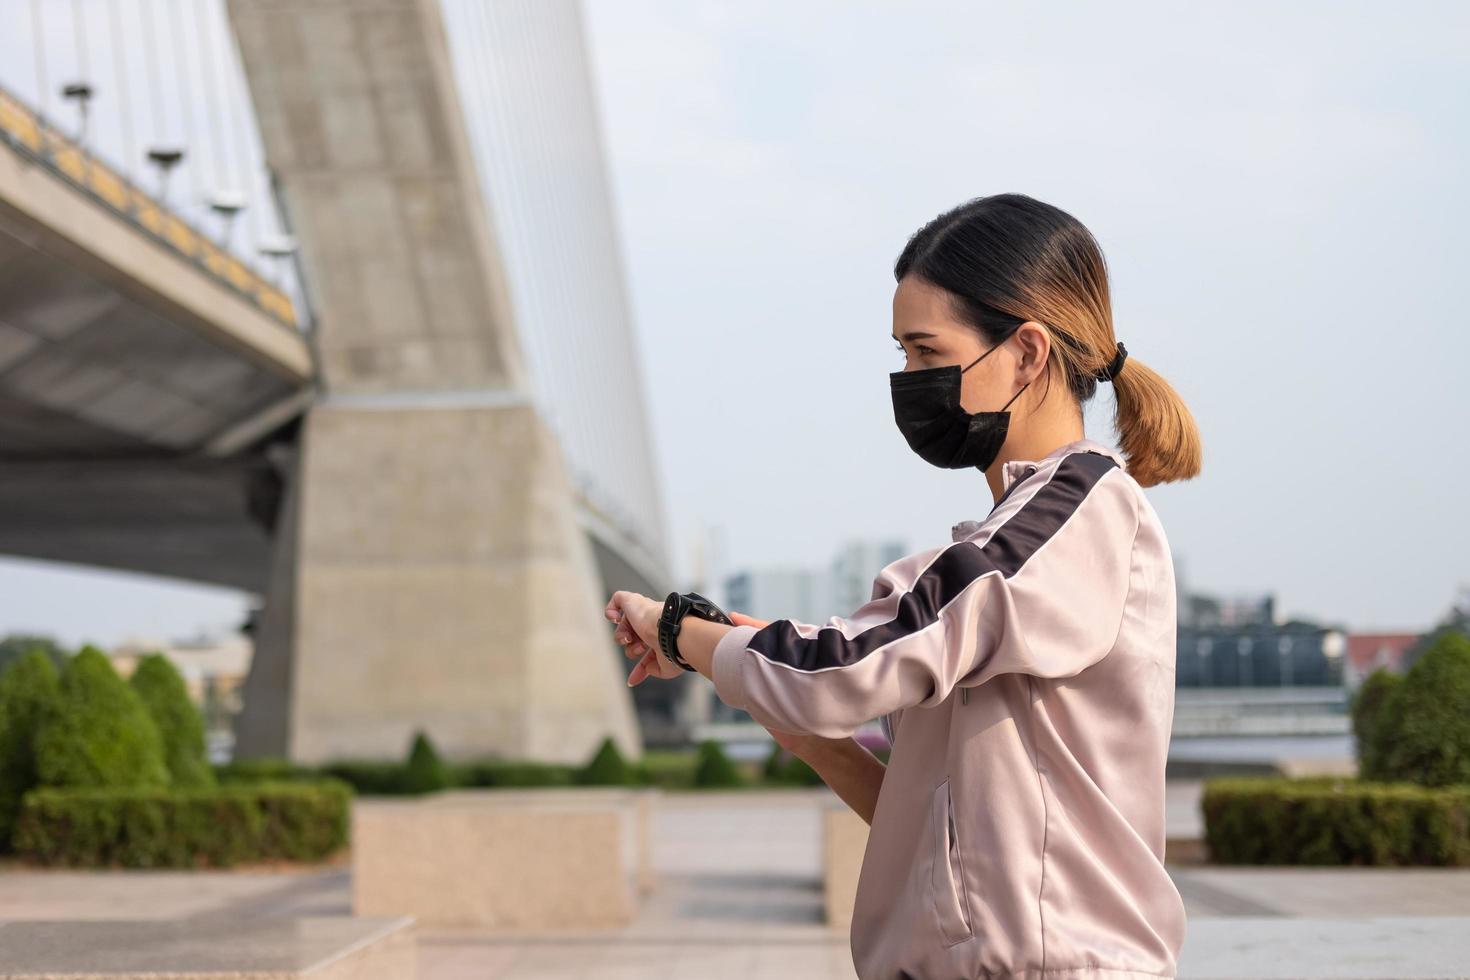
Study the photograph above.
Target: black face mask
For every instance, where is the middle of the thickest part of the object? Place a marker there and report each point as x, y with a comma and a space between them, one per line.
926, 406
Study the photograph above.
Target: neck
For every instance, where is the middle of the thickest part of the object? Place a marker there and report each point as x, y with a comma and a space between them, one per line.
1044, 432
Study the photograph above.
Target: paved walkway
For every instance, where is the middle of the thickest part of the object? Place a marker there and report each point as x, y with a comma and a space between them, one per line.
739, 896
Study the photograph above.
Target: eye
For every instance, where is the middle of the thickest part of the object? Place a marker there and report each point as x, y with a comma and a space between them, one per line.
922, 350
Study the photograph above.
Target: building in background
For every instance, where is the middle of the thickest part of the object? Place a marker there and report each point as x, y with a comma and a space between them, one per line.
1367, 652
1240, 642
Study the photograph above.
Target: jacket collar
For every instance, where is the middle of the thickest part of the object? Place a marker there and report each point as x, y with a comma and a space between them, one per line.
1016, 469
1019, 469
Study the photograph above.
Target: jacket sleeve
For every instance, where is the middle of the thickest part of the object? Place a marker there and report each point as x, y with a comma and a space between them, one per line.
1041, 592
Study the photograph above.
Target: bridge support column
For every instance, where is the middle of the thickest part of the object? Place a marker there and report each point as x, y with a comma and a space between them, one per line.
439, 582
434, 574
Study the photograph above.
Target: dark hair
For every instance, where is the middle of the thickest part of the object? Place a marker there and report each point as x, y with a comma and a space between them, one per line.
1009, 258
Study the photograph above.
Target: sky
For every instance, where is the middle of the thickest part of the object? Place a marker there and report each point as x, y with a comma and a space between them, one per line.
1279, 193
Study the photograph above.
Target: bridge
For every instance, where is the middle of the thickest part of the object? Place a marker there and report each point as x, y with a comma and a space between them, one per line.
411, 423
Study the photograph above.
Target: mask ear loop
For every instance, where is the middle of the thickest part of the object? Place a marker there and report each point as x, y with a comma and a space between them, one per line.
1015, 396
979, 359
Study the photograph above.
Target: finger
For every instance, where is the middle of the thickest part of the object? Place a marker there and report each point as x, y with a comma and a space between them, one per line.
740, 619
639, 673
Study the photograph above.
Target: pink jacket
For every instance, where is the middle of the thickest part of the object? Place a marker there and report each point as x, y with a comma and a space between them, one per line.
1025, 674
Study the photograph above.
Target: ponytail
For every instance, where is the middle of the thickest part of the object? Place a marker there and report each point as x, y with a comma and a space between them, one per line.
1156, 430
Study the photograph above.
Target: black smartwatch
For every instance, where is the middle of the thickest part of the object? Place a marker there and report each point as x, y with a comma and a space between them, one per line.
676, 607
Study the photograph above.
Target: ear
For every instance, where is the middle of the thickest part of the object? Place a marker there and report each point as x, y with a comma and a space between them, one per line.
1032, 346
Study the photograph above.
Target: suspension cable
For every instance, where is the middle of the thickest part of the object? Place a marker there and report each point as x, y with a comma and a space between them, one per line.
125, 105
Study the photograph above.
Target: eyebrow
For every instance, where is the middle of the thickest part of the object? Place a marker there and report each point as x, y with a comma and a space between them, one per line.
916, 335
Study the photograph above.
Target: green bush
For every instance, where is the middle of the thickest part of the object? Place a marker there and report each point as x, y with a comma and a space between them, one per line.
1335, 822
1424, 732
665, 769
607, 767
16, 645
369, 777
424, 772
714, 768
799, 773
1368, 716
783, 768
97, 732
28, 689
775, 764
502, 773
183, 828
179, 723
264, 770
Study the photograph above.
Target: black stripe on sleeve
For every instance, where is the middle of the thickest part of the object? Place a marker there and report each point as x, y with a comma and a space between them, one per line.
1012, 544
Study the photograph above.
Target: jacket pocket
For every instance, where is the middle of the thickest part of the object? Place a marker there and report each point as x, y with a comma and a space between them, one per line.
947, 875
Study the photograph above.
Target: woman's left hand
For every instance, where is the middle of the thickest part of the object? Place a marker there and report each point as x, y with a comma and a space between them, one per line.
637, 618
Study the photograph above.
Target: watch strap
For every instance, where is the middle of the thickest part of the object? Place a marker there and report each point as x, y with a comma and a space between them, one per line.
676, 607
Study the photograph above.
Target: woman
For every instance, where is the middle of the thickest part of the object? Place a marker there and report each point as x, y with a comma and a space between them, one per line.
1024, 671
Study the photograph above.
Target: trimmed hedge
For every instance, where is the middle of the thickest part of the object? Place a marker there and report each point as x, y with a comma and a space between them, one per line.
171, 828
508, 774
1327, 821
265, 771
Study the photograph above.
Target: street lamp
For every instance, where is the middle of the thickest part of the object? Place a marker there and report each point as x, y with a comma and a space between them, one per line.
278, 249
227, 204
81, 93
165, 159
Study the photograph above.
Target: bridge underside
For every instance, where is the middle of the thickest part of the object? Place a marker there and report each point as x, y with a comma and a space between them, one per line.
136, 389
200, 520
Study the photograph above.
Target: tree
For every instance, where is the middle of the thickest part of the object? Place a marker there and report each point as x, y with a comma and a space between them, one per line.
1369, 730
15, 645
425, 771
180, 726
607, 767
28, 690
714, 768
98, 732
1456, 620
1425, 726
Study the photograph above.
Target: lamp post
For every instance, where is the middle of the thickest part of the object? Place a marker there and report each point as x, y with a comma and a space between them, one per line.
165, 159
80, 93
278, 249
228, 205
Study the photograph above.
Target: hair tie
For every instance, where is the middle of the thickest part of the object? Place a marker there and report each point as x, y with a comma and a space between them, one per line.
1111, 371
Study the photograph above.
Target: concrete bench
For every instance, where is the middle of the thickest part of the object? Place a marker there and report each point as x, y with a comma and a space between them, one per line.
511, 860
321, 947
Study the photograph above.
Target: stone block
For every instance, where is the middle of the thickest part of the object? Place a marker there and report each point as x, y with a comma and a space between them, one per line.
504, 860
